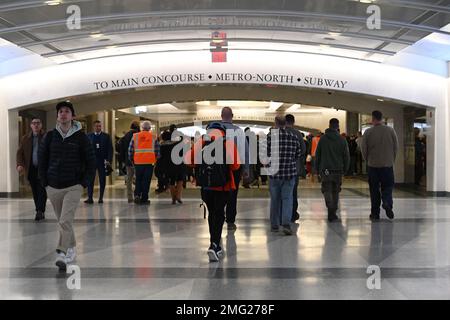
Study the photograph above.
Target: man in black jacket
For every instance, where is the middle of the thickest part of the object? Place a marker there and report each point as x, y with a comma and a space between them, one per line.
66, 166
332, 161
103, 149
124, 144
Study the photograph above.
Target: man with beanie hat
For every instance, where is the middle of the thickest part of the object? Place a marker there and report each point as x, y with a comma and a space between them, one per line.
332, 161
66, 165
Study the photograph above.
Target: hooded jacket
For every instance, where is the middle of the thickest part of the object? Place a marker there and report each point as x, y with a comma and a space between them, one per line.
66, 160
332, 153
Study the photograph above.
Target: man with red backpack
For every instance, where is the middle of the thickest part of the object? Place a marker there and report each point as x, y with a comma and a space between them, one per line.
215, 159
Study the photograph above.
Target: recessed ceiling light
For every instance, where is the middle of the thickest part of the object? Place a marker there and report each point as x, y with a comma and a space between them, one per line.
334, 34
52, 2
380, 99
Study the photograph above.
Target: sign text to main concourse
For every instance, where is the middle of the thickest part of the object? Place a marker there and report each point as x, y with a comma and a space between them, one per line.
186, 78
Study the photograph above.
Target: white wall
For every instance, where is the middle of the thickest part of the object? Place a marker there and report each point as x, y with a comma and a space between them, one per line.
72, 79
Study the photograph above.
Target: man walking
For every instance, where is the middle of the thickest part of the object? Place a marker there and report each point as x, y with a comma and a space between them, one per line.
66, 166
124, 144
102, 144
379, 148
143, 151
27, 164
290, 121
216, 179
283, 172
332, 161
243, 150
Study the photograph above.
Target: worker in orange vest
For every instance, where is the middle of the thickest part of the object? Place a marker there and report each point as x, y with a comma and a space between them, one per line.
143, 152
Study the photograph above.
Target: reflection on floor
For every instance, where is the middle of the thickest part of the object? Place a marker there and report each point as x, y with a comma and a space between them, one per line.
159, 252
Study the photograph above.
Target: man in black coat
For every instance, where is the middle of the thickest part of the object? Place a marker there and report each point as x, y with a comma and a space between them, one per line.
66, 164
102, 144
124, 144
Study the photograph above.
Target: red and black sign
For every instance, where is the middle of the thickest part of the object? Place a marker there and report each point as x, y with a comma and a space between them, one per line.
218, 46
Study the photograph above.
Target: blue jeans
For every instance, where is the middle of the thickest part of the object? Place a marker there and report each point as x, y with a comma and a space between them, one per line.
381, 179
281, 192
143, 174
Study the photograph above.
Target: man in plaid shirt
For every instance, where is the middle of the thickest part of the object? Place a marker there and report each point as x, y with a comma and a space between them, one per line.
282, 173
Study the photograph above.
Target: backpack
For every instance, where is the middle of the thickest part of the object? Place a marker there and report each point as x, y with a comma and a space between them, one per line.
215, 174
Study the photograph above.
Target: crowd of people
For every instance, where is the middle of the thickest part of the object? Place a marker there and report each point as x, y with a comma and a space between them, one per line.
64, 161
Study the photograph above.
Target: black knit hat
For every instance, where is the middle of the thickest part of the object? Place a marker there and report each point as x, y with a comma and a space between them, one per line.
66, 104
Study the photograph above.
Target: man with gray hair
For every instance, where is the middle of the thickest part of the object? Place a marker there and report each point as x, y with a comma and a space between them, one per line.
143, 152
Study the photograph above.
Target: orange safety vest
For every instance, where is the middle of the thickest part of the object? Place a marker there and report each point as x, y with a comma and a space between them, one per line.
144, 153
315, 142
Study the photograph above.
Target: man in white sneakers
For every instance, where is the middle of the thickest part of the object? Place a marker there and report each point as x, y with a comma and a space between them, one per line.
66, 166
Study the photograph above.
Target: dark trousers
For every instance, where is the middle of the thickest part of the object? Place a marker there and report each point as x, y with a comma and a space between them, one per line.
381, 185
100, 169
295, 198
232, 201
143, 174
216, 202
331, 187
39, 193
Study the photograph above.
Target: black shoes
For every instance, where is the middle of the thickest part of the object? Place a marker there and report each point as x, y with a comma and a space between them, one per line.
144, 202
376, 216
231, 226
332, 216
91, 201
179, 201
274, 228
214, 252
389, 212
39, 216
287, 230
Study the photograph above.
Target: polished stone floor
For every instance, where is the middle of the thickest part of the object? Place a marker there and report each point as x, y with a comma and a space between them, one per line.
159, 252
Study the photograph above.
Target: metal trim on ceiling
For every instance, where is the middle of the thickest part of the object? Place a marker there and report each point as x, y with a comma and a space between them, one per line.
252, 13
129, 44
393, 3
143, 30
195, 50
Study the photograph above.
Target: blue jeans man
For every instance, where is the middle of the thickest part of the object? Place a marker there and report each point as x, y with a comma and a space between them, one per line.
281, 201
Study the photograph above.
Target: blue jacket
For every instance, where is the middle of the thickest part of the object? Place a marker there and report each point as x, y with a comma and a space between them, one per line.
104, 150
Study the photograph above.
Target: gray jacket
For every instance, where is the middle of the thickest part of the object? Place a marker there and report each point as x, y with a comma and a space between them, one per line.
241, 144
379, 146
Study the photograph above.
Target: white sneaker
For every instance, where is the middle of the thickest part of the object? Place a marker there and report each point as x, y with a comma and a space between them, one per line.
61, 262
71, 255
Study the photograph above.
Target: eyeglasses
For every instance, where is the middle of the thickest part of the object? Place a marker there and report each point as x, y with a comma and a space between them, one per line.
36, 122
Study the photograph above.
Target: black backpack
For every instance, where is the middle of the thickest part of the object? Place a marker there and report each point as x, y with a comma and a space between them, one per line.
215, 174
